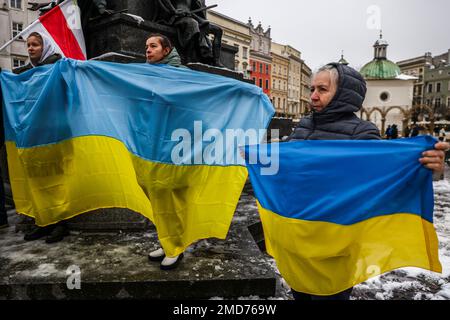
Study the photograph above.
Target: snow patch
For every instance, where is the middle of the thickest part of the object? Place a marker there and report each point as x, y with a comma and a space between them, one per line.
45, 270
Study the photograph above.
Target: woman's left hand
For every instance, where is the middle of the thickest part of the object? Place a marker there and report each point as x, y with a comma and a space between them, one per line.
434, 159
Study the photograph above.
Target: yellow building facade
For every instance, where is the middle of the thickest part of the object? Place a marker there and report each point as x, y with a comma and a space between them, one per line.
280, 81
305, 87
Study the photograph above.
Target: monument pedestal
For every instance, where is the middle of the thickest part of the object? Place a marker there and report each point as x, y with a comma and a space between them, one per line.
125, 35
122, 34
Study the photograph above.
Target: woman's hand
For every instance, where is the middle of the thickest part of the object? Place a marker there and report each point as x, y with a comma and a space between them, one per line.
434, 159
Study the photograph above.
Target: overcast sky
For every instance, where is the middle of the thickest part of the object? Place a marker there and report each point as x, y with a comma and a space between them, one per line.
321, 29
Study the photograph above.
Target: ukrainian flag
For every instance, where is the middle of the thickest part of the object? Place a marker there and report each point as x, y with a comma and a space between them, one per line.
82, 136
340, 212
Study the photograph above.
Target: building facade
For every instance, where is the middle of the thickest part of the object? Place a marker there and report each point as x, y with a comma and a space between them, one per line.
280, 81
305, 89
431, 90
237, 34
260, 57
14, 17
437, 87
295, 86
416, 67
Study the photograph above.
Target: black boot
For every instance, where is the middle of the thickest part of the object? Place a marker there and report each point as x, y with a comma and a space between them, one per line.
58, 233
38, 232
3, 221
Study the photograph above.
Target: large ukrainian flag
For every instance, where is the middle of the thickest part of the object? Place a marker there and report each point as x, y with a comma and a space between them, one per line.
340, 212
88, 135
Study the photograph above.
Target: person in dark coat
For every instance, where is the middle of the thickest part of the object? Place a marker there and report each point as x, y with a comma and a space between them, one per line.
42, 51
415, 131
388, 133
407, 132
3, 214
394, 132
337, 93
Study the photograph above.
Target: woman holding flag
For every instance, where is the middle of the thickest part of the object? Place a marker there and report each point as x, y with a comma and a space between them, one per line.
42, 51
337, 93
159, 50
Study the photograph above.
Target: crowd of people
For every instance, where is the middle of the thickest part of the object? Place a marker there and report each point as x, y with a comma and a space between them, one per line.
337, 93
392, 132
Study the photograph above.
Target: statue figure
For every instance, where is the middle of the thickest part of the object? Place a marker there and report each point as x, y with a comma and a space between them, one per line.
193, 28
99, 5
188, 17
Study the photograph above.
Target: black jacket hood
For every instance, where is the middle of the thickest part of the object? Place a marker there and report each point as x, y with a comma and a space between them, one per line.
350, 93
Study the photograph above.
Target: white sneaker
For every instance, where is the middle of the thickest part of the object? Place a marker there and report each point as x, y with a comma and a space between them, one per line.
157, 255
171, 263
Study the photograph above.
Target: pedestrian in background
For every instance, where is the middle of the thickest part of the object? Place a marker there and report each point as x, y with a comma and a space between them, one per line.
394, 132
388, 133
415, 131
407, 132
442, 135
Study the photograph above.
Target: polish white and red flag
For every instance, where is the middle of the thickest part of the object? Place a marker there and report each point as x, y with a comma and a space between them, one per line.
62, 25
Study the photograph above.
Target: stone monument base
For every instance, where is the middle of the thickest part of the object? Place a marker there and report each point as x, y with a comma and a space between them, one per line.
126, 35
115, 265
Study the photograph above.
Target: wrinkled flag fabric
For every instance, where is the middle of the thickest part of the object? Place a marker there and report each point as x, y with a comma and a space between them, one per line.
86, 135
340, 212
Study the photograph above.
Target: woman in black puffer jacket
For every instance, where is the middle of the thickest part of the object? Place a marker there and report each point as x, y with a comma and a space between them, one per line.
338, 93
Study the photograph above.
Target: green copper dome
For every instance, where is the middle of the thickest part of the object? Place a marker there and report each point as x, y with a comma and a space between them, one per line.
380, 69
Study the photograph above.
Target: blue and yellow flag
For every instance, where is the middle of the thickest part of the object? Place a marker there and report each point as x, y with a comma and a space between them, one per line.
82, 136
339, 212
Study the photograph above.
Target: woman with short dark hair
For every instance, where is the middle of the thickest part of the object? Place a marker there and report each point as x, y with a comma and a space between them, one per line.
159, 50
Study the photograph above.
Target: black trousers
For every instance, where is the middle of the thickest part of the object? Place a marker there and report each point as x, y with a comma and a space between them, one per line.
342, 296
